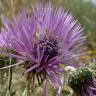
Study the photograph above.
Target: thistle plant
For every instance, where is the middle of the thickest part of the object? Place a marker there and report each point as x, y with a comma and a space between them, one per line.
83, 82
43, 42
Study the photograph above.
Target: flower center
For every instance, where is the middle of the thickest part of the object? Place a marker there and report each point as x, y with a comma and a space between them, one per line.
50, 51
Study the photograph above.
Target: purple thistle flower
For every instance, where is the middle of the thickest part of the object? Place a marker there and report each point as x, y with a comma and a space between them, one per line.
43, 41
82, 82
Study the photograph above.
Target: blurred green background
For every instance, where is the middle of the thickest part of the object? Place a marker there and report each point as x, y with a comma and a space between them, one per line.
83, 10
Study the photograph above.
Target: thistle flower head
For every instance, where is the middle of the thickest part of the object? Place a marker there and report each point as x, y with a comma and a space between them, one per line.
82, 82
43, 41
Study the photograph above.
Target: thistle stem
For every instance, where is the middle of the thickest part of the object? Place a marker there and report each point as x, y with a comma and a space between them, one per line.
9, 83
10, 75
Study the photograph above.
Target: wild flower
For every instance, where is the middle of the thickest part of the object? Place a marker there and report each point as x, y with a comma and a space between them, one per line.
43, 41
